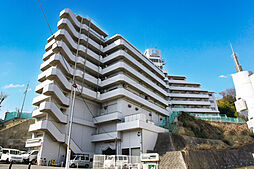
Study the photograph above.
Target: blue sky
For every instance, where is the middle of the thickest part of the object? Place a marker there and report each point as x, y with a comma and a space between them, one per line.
193, 36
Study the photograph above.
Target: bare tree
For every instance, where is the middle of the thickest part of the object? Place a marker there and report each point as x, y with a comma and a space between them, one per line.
2, 97
228, 92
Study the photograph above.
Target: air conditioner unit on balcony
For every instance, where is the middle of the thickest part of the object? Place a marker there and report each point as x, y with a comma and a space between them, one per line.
100, 69
99, 81
98, 95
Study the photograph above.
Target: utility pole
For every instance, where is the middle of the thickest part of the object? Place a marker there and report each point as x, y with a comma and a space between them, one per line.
73, 96
27, 86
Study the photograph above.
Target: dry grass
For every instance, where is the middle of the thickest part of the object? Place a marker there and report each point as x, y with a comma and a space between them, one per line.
232, 134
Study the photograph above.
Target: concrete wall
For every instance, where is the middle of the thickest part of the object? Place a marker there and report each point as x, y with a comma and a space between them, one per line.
15, 134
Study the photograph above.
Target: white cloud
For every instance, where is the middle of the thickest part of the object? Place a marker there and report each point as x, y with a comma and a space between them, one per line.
13, 86
222, 76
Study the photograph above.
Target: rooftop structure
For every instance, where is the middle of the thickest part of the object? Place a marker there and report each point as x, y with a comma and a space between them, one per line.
121, 94
155, 56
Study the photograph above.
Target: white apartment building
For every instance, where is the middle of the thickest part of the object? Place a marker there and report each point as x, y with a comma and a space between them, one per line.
121, 95
182, 95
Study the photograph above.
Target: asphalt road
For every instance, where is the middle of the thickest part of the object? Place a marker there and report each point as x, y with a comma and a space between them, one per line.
25, 166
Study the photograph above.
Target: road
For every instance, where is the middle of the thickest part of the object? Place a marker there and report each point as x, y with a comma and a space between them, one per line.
25, 166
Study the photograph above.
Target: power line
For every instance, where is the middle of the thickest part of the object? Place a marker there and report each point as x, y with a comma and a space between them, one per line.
45, 17
52, 34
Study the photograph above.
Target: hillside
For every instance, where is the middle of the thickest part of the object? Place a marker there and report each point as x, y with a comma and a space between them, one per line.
15, 134
205, 145
232, 134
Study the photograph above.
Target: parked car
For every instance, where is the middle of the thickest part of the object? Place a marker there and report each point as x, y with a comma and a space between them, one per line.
80, 161
1, 152
11, 155
30, 156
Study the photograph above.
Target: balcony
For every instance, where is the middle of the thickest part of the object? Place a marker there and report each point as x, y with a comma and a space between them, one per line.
73, 45
188, 95
121, 53
123, 92
187, 102
48, 126
138, 121
185, 88
195, 110
38, 99
38, 113
135, 84
65, 22
134, 72
110, 136
97, 34
51, 108
54, 89
34, 142
181, 82
107, 117
122, 42
39, 87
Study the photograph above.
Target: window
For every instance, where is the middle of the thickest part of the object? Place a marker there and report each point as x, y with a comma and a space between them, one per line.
154, 51
129, 105
14, 152
150, 114
125, 151
136, 109
35, 153
5, 151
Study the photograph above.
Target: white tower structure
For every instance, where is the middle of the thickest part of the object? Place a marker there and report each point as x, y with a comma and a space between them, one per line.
244, 87
155, 56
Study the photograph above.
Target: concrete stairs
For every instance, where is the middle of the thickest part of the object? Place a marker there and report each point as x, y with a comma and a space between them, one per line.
172, 160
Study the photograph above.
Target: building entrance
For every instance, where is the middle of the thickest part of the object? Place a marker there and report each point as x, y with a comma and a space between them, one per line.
109, 151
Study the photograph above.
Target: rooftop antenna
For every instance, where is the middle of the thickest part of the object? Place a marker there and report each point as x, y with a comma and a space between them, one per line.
238, 67
19, 114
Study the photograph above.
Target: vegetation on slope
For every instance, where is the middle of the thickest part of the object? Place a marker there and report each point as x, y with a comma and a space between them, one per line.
232, 134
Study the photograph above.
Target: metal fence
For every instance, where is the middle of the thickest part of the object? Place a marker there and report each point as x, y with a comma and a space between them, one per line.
115, 162
220, 117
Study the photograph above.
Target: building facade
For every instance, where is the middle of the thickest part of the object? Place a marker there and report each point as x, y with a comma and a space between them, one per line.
121, 95
244, 88
183, 95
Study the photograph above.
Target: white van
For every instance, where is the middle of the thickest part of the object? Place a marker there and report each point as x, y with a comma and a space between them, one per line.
81, 160
11, 155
